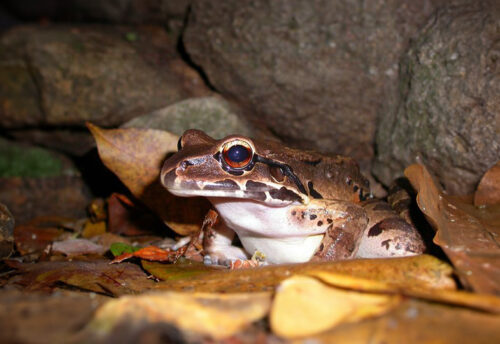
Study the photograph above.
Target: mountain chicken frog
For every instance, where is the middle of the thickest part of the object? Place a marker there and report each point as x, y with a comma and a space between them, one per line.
291, 205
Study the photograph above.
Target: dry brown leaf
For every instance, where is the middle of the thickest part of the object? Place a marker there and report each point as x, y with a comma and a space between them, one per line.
488, 190
467, 235
136, 157
97, 276
34, 236
304, 306
76, 247
216, 315
129, 219
107, 239
152, 253
421, 271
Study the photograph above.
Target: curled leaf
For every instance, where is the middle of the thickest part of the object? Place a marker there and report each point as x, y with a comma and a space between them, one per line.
151, 253
420, 271
482, 302
488, 190
416, 321
304, 306
136, 157
468, 236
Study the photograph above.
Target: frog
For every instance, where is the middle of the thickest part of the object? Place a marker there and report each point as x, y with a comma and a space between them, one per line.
287, 205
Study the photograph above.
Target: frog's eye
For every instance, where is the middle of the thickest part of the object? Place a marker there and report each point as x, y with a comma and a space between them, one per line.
237, 154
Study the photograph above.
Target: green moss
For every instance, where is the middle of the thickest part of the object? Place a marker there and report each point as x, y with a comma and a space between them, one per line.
32, 162
131, 36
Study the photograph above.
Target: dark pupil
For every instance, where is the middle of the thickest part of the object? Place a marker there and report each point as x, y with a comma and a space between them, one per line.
237, 153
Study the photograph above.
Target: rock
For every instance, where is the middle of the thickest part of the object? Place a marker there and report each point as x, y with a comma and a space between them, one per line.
6, 222
213, 115
61, 76
6, 232
447, 115
74, 141
116, 11
6, 19
36, 182
314, 72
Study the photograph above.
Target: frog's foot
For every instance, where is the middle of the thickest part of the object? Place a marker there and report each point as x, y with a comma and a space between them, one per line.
258, 259
225, 257
387, 234
218, 246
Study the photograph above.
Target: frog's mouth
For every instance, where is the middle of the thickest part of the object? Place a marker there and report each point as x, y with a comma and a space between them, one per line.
227, 188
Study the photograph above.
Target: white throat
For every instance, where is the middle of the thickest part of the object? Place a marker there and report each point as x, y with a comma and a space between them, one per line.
269, 229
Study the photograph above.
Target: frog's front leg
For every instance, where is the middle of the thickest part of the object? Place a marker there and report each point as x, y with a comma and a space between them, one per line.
387, 234
344, 224
218, 248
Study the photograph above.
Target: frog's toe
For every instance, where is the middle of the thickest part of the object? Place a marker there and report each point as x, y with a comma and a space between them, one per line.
225, 258
212, 260
244, 264
207, 260
232, 264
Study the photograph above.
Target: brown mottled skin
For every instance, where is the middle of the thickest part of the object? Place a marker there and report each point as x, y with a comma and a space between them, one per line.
321, 194
330, 174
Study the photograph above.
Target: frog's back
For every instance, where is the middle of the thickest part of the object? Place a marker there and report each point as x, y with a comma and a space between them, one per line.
338, 177
324, 176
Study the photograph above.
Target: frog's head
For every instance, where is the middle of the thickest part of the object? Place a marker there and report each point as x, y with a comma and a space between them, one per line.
233, 167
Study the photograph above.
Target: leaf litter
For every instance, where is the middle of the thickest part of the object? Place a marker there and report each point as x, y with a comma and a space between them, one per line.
467, 234
365, 300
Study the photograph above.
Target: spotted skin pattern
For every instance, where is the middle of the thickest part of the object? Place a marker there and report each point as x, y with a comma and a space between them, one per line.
288, 204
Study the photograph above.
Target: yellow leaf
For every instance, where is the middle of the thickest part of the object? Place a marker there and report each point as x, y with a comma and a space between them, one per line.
91, 229
421, 271
352, 282
304, 306
483, 302
215, 315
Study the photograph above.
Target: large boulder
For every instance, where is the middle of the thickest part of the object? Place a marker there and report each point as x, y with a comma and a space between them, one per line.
214, 115
109, 11
446, 114
38, 182
61, 76
314, 72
